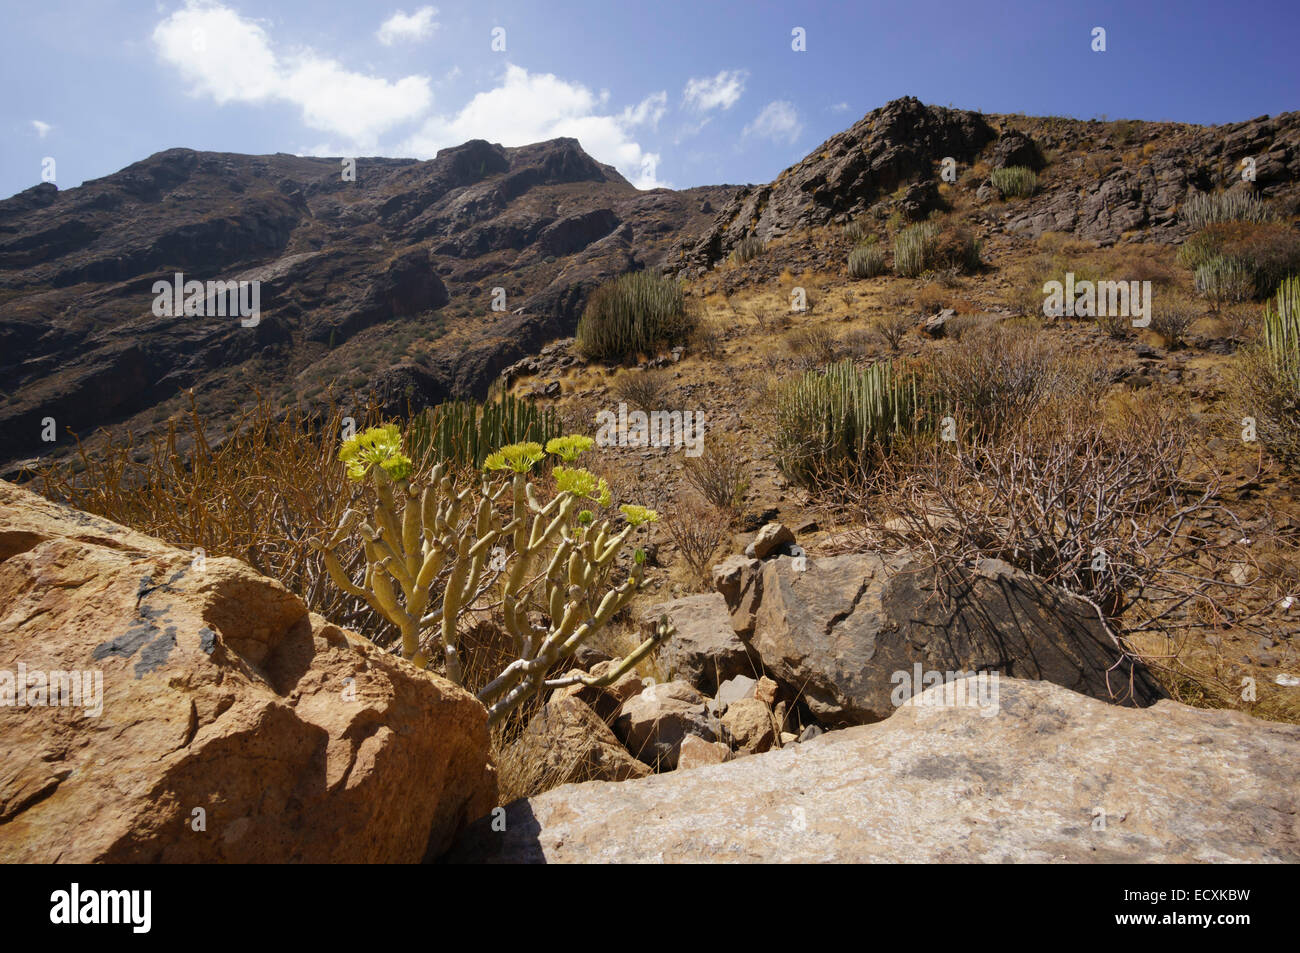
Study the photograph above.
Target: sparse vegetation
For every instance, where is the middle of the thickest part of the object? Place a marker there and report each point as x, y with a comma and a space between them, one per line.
747, 249
866, 261
1235, 205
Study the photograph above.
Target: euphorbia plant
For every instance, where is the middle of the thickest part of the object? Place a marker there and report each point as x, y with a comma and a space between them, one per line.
418, 533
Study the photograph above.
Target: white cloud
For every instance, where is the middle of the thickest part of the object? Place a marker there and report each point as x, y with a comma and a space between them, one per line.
724, 90
229, 58
839, 107
42, 128
778, 121
531, 107
401, 26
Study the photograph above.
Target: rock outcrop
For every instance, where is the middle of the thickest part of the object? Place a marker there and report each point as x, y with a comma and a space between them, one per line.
1051, 776
840, 631
218, 720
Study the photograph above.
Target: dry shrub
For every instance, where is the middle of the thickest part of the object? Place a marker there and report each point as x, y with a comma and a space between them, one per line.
264, 494
643, 390
1171, 323
893, 327
995, 377
721, 473
1102, 504
697, 528
813, 347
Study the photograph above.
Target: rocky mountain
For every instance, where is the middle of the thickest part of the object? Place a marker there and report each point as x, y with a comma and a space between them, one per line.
379, 274
1109, 179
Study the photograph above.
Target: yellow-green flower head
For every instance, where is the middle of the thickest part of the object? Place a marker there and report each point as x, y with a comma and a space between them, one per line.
577, 481
637, 515
519, 457
568, 448
378, 446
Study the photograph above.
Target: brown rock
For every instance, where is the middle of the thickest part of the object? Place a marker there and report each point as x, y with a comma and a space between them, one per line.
770, 539
748, 723
704, 650
224, 700
740, 580
567, 742
697, 753
605, 700
654, 723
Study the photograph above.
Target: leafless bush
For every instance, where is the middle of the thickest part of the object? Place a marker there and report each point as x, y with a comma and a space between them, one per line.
813, 347
1103, 508
893, 327
720, 473
1172, 324
697, 529
643, 390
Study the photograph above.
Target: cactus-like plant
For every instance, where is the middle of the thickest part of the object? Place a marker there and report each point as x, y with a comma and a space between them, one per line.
866, 261
1237, 205
464, 433
634, 313
1015, 181
914, 248
838, 418
747, 249
1281, 337
1223, 278
430, 538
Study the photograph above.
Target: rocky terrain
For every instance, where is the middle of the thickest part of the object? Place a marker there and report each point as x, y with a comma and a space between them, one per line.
832, 690
384, 281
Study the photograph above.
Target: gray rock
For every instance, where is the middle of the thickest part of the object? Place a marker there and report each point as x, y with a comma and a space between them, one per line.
653, 723
705, 650
769, 540
1053, 776
734, 689
739, 579
844, 633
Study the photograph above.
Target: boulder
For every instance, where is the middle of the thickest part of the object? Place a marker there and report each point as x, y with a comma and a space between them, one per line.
848, 633
739, 580
705, 650
734, 689
1014, 148
653, 724
770, 539
695, 752
1054, 776
217, 719
605, 700
748, 726
567, 742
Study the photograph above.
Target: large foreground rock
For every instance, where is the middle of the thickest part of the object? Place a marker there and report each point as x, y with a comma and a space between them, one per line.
1050, 776
235, 726
846, 631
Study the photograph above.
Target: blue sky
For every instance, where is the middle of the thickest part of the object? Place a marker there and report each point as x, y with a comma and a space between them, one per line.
672, 93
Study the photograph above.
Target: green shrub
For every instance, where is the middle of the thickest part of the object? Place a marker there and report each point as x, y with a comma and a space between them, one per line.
463, 433
635, 313
747, 249
866, 261
1224, 279
1264, 382
841, 420
1015, 181
913, 248
1209, 208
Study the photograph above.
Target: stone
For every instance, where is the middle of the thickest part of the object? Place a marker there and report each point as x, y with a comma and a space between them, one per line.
604, 700
704, 650
748, 726
769, 540
809, 733
567, 742
739, 579
846, 634
653, 723
1053, 776
223, 699
935, 326
765, 690
695, 752
734, 689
